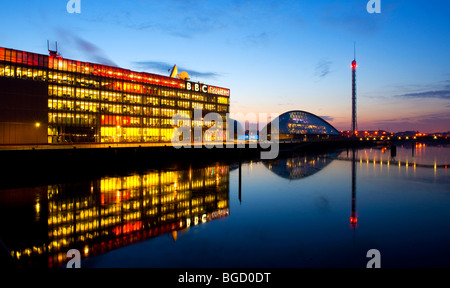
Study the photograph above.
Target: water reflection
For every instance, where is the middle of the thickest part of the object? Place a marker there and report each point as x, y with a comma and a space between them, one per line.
353, 217
105, 214
412, 154
406, 158
298, 167
333, 208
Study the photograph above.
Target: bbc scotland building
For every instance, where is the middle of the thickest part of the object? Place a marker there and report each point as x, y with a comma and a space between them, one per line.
46, 99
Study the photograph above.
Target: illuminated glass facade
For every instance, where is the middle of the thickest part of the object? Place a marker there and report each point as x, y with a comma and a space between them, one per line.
295, 124
98, 216
89, 102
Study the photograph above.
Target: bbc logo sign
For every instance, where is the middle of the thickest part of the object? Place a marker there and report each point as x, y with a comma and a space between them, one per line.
197, 87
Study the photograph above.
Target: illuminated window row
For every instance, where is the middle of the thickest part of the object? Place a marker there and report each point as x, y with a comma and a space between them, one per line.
70, 118
168, 179
90, 91
55, 77
223, 100
129, 134
22, 73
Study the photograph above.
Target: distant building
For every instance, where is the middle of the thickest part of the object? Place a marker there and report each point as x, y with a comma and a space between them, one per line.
236, 130
303, 125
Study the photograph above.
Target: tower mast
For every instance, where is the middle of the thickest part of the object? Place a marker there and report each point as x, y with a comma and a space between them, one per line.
354, 125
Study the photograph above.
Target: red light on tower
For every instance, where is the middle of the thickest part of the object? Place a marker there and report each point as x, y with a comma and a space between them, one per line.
353, 221
354, 64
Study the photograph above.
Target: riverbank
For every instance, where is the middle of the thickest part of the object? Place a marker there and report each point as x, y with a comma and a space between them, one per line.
73, 162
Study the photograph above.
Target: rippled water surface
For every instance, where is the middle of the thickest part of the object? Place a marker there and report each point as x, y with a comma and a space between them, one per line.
321, 210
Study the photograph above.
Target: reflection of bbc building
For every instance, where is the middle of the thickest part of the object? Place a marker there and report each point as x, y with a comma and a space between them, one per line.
113, 212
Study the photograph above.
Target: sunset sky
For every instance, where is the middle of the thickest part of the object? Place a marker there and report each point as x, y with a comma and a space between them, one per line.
275, 56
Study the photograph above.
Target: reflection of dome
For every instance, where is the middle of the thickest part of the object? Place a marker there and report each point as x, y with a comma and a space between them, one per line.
301, 166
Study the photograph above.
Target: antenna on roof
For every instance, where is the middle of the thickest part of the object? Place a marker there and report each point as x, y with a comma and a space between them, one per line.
53, 53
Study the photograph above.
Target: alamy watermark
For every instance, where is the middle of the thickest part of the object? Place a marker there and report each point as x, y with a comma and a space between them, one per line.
73, 6
75, 258
190, 132
375, 261
373, 6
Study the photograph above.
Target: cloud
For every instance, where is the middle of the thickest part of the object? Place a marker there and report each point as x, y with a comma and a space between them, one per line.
425, 123
164, 67
260, 39
440, 94
189, 27
90, 50
323, 68
154, 65
184, 19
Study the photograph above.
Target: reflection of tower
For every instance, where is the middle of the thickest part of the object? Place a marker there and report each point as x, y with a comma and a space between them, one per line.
353, 217
240, 175
354, 126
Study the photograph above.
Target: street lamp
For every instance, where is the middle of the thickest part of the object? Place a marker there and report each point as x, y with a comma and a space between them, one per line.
37, 124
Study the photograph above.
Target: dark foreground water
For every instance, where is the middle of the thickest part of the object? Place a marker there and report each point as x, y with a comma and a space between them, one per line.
316, 210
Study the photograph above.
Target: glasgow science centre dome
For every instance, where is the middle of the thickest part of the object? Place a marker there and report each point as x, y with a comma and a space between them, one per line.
294, 124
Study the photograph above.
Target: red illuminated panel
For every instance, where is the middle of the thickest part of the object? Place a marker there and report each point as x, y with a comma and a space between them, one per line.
20, 56
126, 121
124, 74
133, 88
127, 228
218, 91
34, 59
114, 197
219, 213
13, 56
115, 120
117, 86
50, 61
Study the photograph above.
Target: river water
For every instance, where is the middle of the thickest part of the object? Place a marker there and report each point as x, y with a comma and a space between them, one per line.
303, 210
